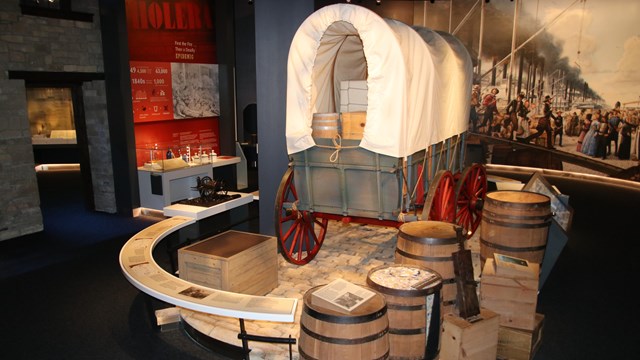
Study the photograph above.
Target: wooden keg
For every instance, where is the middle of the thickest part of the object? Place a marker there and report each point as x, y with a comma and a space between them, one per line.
328, 333
325, 125
515, 223
413, 296
430, 244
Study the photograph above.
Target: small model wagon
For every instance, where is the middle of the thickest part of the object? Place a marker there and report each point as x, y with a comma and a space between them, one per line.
377, 113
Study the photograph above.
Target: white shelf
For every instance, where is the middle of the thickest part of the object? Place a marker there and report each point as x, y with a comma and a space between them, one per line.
200, 212
139, 267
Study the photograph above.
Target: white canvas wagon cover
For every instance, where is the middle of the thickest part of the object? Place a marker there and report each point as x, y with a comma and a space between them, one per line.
418, 80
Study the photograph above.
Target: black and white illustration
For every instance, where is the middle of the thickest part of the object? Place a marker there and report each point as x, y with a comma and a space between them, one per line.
195, 90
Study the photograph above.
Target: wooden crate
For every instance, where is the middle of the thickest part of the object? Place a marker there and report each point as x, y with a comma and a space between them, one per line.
513, 297
233, 261
462, 339
353, 124
516, 344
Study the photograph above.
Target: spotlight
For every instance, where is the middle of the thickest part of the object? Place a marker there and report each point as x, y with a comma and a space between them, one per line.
378, 2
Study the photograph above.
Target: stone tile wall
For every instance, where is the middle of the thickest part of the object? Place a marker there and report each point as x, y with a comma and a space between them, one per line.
32, 43
19, 196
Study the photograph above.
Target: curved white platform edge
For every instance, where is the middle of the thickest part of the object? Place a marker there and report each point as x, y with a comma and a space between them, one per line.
139, 267
199, 212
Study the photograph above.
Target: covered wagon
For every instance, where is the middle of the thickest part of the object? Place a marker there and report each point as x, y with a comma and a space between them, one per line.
376, 117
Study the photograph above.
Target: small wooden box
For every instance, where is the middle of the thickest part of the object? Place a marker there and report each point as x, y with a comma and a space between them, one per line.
232, 261
514, 297
516, 344
353, 124
462, 339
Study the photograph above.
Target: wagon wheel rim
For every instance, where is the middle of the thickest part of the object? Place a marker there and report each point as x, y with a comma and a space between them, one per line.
471, 190
300, 234
440, 204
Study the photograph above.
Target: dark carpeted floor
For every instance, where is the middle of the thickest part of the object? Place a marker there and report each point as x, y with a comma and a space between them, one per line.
64, 297
63, 294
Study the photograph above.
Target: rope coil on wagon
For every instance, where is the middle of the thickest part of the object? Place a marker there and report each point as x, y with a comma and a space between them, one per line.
337, 145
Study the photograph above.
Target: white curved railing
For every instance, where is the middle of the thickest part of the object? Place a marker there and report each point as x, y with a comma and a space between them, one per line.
139, 267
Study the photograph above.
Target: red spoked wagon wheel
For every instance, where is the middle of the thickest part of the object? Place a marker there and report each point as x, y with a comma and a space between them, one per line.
300, 234
440, 204
471, 190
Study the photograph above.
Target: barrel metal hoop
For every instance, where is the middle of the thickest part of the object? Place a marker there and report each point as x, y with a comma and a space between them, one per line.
547, 223
341, 341
424, 258
345, 320
407, 331
511, 248
430, 241
406, 307
545, 218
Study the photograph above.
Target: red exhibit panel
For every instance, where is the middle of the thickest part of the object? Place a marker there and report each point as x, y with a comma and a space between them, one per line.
171, 31
151, 91
174, 75
177, 135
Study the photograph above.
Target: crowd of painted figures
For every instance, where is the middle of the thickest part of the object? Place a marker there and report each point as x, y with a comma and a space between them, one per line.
601, 133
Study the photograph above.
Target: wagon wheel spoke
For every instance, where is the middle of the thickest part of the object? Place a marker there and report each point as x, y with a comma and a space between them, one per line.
471, 190
440, 203
300, 234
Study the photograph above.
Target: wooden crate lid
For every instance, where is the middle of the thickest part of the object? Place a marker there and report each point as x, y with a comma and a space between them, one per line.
227, 244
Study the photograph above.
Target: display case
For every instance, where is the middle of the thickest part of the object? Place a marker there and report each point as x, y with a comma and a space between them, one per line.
167, 157
51, 117
168, 174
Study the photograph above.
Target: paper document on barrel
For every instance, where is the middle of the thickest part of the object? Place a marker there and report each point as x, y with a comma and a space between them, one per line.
343, 294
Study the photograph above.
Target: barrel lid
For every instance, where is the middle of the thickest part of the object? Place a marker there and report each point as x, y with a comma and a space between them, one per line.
404, 280
517, 198
367, 311
429, 229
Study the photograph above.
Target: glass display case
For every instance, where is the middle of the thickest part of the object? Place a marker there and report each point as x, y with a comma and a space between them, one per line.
51, 118
166, 157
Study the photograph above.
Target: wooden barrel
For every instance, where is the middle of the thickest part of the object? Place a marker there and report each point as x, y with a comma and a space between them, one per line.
515, 223
328, 333
325, 125
413, 296
430, 244
353, 124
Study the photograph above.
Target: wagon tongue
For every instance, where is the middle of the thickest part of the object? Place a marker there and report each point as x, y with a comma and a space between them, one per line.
466, 297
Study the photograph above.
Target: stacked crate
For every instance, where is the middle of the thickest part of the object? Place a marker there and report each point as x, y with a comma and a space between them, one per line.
467, 339
511, 289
